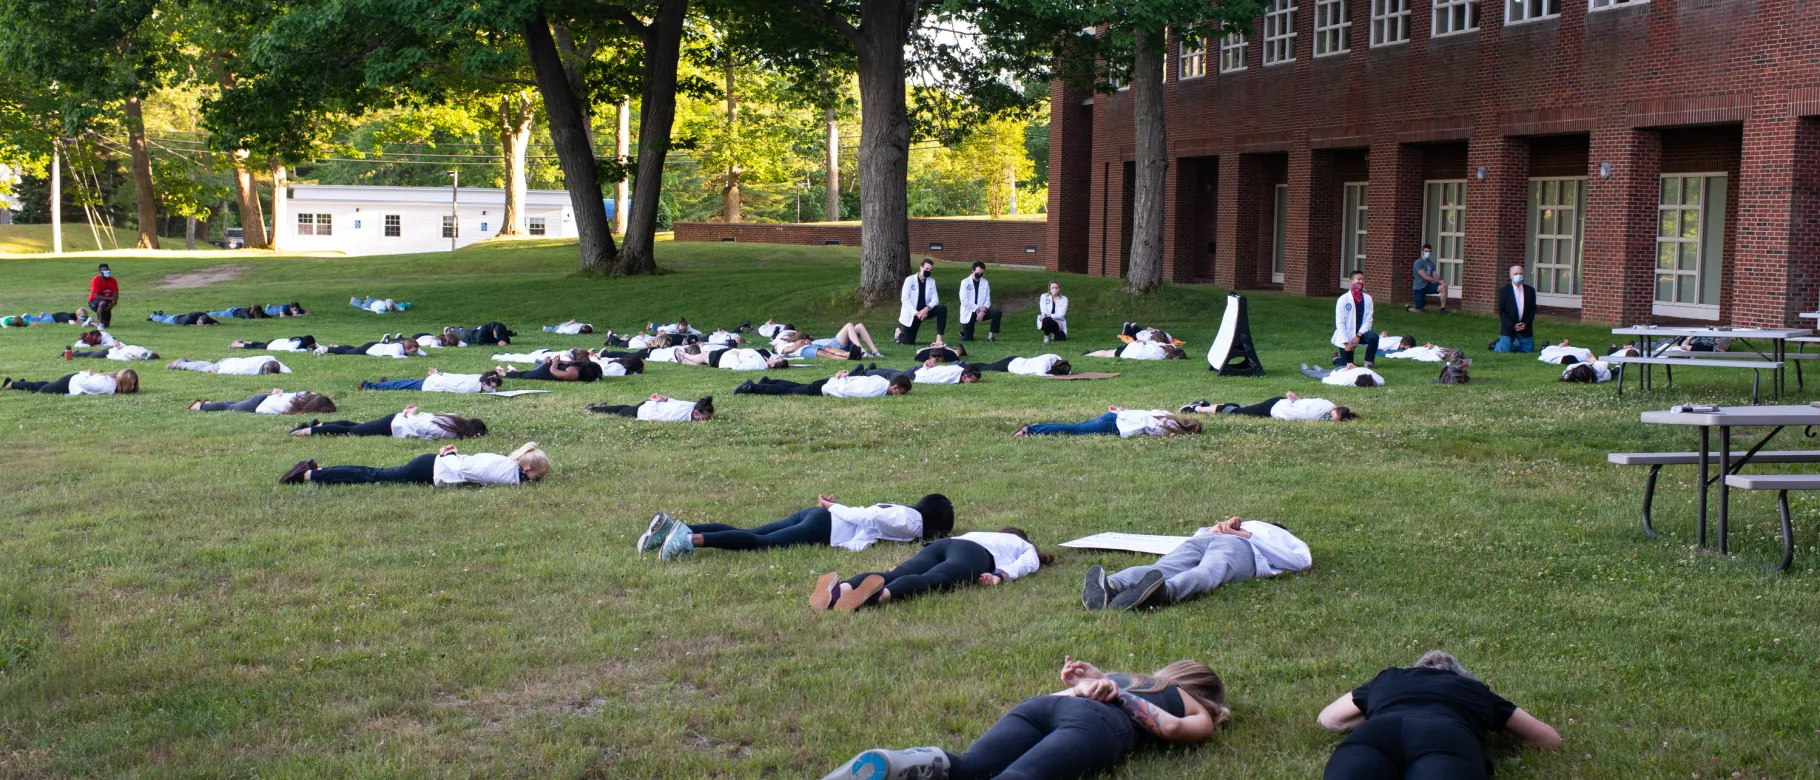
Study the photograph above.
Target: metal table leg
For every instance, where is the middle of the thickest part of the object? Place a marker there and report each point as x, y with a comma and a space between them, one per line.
1788, 531
1725, 491
1649, 498
1705, 460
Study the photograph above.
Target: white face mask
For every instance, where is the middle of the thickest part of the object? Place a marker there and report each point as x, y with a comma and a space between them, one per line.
107, 274
1424, 254
1516, 279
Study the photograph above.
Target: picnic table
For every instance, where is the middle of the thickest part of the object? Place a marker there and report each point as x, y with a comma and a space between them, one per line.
1725, 419
1776, 340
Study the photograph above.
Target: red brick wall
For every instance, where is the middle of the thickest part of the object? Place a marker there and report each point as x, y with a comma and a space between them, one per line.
1628, 87
992, 241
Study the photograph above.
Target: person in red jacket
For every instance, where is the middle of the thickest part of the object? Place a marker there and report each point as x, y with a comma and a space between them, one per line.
103, 293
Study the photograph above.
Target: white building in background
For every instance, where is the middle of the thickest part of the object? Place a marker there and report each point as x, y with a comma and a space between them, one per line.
362, 220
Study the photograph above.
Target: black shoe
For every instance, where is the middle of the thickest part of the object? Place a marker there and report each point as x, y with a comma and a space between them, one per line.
744, 388
386, 339
1445, 310
1140, 595
295, 475
310, 424
1095, 593
1491, 347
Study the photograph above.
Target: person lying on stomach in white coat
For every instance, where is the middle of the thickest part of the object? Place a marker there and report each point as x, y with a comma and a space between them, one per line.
243, 366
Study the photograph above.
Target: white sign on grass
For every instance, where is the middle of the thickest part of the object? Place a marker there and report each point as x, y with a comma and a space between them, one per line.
1113, 540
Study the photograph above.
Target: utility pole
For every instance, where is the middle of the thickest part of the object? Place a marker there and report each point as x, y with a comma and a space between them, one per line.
454, 207
57, 197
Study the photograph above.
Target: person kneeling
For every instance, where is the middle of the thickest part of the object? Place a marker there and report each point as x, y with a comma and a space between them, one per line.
1214, 556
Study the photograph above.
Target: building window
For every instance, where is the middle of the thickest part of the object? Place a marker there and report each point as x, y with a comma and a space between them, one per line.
1191, 58
315, 224
393, 227
535, 226
1600, 5
1356, 218
1455, 16
1557, 208
1690, 241
1332, 27
1530, 10
1389, 22
449, 228
1444, 226
1277, 230
325, 225
1279, 31
1232, 52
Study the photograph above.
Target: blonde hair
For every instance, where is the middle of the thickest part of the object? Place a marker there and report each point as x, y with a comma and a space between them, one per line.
126, 381
1193, 678
532, 460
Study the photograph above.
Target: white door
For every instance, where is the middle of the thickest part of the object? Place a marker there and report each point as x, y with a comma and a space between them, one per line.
1690, 241
1444, 226
1356, 219
1276, 231
1557, 209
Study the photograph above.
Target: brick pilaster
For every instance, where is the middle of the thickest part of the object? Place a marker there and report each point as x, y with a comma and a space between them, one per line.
1070, 178
1394, 232
1773, 273
1618, 255
1497, 216
1236, 253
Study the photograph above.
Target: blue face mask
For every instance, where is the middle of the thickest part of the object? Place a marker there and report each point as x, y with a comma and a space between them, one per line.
1518, 279
107, 274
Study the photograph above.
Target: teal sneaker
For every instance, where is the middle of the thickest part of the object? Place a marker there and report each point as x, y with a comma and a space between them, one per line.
922, 763
676, 542
655, 533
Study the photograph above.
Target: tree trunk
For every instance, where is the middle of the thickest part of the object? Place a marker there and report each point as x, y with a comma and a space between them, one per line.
1146, 269
831, 212
622, 150
569, 134
57, 197
246, 191
514, 135
146, 196
189, 233
884, 150
729, 194
279, 205
657, 112
1011, 185
575, 67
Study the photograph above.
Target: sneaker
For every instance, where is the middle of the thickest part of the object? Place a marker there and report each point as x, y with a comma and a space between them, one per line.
1045, 338
353, 301
825, 592
922, 763
1414, 310
1186, 409
655, 533
743, 388
865, 594
676, 543
1095, 593
1445, 310
1492, 346
295, 475
1139, 595
385, 339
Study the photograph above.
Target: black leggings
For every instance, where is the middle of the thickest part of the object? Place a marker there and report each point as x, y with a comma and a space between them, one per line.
58, 386
360, 350
640, 354
809, 526
99, 353
379, 427
1052, 329
421, 469
542, 371
787, 387
249, 405
303, 342
623, 411
1047, 737
1259, 409
1408, 747
1002, 364
888, 373
941, 565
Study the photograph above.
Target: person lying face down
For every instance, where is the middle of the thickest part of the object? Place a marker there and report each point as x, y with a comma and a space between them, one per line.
1287, 406
246, 366
291, 344
122, 382
191, 318
929, 373
1141, 350
841, 385
1349, 376
569, 328
1232, 551
829, 523
275, 402
440, 382
558, 370
407, 424
1041, 365
977, 558
445, 467
661, 408
941, 351
407, 348
1124, 422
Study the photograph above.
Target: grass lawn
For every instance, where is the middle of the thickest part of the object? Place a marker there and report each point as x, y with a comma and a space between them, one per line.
168, 609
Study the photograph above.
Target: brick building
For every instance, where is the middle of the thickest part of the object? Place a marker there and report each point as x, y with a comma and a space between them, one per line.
1644, 160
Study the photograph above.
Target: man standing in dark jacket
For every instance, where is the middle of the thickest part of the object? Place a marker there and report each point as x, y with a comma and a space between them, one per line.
1516, 315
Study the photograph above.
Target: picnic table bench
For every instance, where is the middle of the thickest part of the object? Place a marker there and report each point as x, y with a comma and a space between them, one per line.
1771, 359
1781, 483
1656, 460
1704, 360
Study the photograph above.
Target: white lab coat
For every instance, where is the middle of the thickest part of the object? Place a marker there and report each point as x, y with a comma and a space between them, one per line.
858, 527
485, 468
666, 411
771, 330
248, 366
1349, 377
279, 403
451, 383
1274, 549
90, 383
1012, 557
284, 345
1553, 353
392, 350
743, 360
1343, 316
571, 328
949, 374
907, 304
1146, 422
1034, 366
1143, 350
1054, 308
1601, 370
1420, 354
1302, 409
856, 387
128, 352
107, 342
968, 301
418, 426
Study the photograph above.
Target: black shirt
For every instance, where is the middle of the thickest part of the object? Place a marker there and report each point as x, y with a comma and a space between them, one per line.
1434, 693
1169, 700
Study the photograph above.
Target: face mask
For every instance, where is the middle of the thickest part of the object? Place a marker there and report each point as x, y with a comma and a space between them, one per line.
1424, 254
978, 274
1358, 288
925, 273
107, 274
1518, 279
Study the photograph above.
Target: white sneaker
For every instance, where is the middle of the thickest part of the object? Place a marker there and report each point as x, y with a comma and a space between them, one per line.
1045, 338
921, 763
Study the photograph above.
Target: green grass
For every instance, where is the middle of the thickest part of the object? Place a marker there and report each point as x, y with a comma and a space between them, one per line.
36, 239
167, 609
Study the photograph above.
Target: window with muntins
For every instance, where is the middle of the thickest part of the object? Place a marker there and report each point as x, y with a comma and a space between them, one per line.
535, 226
325, 224
449, 228
393, 226
1332, 27
1232, 52
1279, 31
1356, 218
1690, 244
1552, 247
1530, 10
1444, 226
1455, 16
1389, 22
306, 224
1600, 5
1191, 58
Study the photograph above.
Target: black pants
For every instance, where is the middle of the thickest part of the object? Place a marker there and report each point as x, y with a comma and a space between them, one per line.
58, 386
1002, 364
787, 387
617, 341
421, 469
888, 373
1408, 747
941, 565
1259, 409
623, 411
993, 315
809, 526
99, 353
104, 311
490, 333
303, 342
938, 312
1052, 329
641, 354
1048, 737
542, 371
344, 350
250, 404
379, 427
1367, 340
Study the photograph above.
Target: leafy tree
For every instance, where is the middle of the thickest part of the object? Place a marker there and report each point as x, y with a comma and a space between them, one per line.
995, 154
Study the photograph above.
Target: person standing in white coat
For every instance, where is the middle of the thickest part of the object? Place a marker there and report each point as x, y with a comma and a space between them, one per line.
918, 301
977, 558
976, 304
1352, 323
1052, 314
1233, 551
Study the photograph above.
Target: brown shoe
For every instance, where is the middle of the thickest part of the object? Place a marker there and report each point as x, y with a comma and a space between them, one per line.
295, 475
866, 593
824, 594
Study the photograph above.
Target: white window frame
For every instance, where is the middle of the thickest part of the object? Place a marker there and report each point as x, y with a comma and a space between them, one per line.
1332, 27
392, 226
1709, 222
451, 227
1233, 48
1449, 245
1355, 224
1279, 32
306, 224
1190, 58
325, 224
1444, 12
1569, 218
1518, 11
1279, 232
536, 226
1612, 5
1389, 22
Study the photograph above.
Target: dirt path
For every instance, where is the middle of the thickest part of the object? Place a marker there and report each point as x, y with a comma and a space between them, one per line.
204, 277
